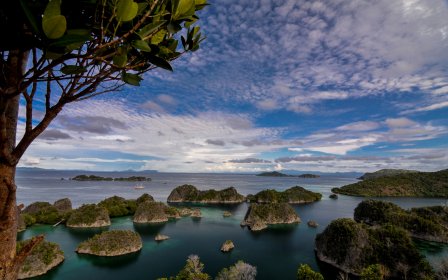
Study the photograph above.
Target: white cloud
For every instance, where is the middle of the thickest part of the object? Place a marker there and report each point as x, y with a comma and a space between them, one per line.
399, 122
359, 126
428, 108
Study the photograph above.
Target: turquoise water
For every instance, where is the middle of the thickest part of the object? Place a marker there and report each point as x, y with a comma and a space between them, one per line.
276, 252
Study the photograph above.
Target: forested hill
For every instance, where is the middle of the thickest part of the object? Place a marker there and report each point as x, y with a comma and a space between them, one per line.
419, 184
385, 172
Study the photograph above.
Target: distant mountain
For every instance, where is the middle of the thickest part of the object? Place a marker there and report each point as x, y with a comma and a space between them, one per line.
409, 184
385, 172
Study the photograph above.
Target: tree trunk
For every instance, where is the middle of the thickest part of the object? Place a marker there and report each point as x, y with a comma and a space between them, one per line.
8, 223
12, 73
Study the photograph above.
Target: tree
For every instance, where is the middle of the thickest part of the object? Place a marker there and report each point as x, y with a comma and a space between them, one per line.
239, 271
306, 273
62, 51
191, 271
373, 272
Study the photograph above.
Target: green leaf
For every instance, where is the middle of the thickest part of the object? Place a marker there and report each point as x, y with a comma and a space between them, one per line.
53, 9
54, 27
160, 62
29, 15
131, 79
121, 58
189, 22
150, 28
142, 8
200, 4
73, 69
126, 10
158, 37
141, 45
173, 27
185, 8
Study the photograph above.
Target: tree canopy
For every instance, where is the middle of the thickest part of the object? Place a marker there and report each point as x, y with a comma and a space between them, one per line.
55, 52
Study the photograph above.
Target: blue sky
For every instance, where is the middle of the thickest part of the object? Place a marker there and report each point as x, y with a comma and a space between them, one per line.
285, 84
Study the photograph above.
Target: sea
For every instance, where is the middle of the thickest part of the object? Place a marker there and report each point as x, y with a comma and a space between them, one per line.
276, 252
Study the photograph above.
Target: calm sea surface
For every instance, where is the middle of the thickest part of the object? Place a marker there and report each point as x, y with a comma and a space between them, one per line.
276, 252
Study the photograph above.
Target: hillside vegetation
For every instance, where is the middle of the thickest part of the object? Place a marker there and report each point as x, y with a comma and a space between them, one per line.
189, 193
421, 184
427, 223
385, 172
294, 195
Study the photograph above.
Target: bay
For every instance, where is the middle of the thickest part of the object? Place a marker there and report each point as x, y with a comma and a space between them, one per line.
276, 252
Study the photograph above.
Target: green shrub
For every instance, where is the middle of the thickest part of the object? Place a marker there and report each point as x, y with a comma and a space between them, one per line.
306, 273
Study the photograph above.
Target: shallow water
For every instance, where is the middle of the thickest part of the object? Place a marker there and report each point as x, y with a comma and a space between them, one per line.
276, 252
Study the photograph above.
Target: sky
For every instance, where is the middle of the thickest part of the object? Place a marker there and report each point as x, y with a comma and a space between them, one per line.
330, 86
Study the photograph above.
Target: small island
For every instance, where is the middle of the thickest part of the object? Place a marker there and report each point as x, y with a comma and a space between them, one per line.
227, 246
111, 243
89, 216
414, 184
308, 176
352, 247
259, 216
274, 174
294, 195
189, 193
45, 256
120, 179
154, 212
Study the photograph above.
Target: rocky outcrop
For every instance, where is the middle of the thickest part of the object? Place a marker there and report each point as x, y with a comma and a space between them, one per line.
312, 224
42, 258
154, 212
226, 214
111, 243
161, 237
294, 195
333, 196
144, 198
189, 193
63, 205
259, 216
184, 211
227, 246
196, 213
88, 216
43, 213
352, 247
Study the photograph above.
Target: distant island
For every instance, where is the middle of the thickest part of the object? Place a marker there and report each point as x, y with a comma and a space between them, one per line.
279, 174
99, 178
385, 172
308, 175
408, 184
